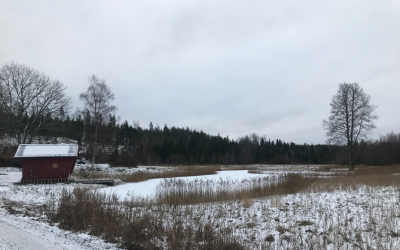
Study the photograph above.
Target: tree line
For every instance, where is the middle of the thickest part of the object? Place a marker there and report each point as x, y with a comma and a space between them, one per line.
33, 107
129, 144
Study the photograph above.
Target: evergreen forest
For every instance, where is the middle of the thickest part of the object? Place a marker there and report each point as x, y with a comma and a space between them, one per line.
129, 144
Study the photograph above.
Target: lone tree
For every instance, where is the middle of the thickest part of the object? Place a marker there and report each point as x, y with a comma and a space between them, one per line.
97, 105
352, 118
29, 101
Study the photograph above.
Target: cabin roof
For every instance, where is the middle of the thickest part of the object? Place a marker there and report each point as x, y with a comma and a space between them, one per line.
46, 150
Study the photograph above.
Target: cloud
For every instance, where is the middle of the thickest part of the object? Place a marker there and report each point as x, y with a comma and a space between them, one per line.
228, 67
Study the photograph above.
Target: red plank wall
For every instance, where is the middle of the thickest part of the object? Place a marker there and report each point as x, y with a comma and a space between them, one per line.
42, 168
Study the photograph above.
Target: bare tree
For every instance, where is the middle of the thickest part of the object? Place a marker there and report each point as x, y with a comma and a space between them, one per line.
97, 101
352, 118
3, 121
28, 100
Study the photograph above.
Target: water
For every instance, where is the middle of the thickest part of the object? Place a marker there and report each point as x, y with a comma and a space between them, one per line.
148, 188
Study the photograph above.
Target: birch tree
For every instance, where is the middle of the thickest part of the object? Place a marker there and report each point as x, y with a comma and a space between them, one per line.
28, 100
351, 118
97, 105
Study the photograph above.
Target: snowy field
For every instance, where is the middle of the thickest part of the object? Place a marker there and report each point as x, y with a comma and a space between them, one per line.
366, 218
361, 217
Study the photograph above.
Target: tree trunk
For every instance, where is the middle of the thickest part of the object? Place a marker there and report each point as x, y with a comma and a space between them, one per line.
94, 148
19, 138
351, 166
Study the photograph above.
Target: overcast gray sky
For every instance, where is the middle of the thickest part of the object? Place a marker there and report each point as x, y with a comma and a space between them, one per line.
221, 66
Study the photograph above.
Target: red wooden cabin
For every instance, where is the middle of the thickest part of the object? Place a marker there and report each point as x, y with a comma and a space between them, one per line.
47, 163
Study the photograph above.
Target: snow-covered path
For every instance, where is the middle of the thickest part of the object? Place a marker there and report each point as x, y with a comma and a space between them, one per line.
12, 238
10, 177
20, 232
26, 233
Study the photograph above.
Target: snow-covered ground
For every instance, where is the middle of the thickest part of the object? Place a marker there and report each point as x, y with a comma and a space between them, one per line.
105, 168
21, 232
21, 227
364, 217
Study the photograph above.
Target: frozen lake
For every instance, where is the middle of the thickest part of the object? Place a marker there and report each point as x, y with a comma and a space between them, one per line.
148, 188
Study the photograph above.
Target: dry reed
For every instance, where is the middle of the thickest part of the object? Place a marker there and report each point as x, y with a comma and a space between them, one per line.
179, 191
129, 226
166, 223
144, 176
363, 175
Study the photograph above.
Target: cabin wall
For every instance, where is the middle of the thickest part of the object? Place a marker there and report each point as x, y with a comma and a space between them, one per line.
46, 168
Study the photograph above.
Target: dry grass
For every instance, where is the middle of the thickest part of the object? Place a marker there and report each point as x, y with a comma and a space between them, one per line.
179, 191
136, 224
363, 175
373, 223
331, 168
130, 226
144, 176
12, 207
169, 222
337, 177
255, 171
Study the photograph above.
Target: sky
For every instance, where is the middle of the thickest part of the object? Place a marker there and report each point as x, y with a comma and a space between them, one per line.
229, 67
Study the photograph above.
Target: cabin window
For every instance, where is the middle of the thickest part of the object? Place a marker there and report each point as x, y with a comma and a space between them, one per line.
55, 165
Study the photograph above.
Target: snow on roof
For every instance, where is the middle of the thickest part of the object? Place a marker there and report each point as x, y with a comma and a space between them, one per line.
46, 150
